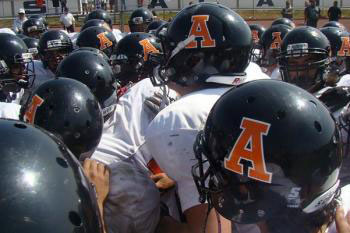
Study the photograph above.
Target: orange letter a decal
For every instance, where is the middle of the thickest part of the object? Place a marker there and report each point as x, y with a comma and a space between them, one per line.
345, 47
200, 29
252, 134
277, 40
30, 113
147, 48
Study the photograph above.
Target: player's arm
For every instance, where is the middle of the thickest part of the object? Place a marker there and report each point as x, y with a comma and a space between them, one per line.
98, 175
342, 222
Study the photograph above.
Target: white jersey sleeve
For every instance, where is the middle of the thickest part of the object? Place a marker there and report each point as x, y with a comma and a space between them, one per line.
125, 131
118, 34
9, 110
7, 30
276, 74
254, 72
170, 137
344, 81
74, 36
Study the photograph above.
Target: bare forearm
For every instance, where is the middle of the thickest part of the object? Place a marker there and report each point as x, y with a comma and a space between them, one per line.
100, 207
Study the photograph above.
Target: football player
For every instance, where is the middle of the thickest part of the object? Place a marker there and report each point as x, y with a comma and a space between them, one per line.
202, 61
251, 174
140, 19
16, 67
54, 46
271, 45
45, 189
34, 27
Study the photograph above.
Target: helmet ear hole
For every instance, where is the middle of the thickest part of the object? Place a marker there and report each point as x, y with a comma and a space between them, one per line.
75, 218
318, 126
61, 162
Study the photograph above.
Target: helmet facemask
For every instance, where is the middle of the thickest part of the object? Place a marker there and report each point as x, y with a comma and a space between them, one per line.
55, 52
127, 68
138, 24
17, 74
304, 67
188, 67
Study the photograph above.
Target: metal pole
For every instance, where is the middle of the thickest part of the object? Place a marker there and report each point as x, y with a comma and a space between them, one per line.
13, 8
121, 16
253, 9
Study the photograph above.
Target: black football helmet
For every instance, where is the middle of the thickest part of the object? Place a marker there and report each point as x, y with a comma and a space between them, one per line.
99, 14
32, 45
284, 21
54, 45
42, 18
33, 27
93, 50
204, 42
253, 168
340, 52
45, 189
335, 24
140, 19
67, 108
257, 31
271, 42
131, 59
95, 22
99, 38
16, 64
154, 25
94, 71
304, 58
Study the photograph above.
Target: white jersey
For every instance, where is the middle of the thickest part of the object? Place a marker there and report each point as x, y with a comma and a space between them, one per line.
42, 74
344, 81
117, 34
254, 72
170, 138
124, 133
9, 110
276, 74
7, 30
73, 37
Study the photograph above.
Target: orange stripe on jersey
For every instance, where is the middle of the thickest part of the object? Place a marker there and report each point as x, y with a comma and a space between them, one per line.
200, 29
154, 167
252, 135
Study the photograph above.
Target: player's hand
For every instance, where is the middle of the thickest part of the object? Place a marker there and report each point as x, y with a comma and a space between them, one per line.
342, 222
163, 182
98, 174
154, 103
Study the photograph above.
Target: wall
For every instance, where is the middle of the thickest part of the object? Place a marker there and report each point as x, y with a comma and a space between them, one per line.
31, 8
